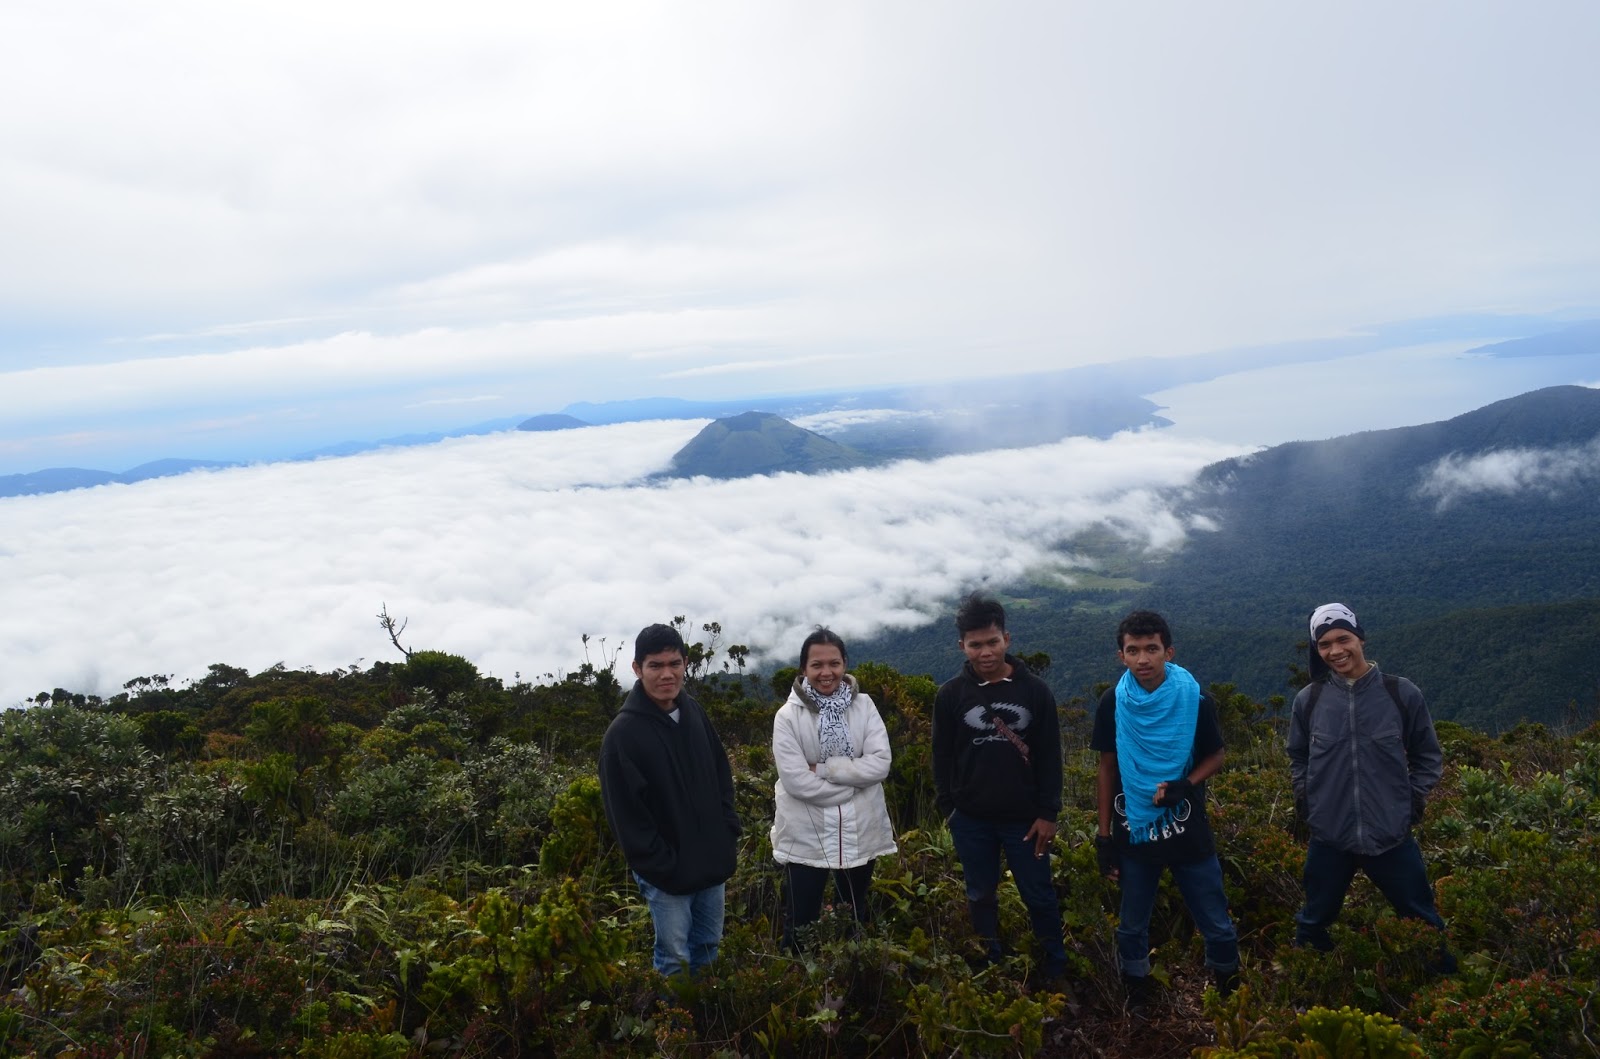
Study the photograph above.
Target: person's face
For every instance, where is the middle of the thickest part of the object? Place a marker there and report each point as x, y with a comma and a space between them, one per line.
986, 649
662, 676
1146, 658
824, 667
1344, 653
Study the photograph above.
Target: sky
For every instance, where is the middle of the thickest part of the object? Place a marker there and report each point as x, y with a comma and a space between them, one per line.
240, 231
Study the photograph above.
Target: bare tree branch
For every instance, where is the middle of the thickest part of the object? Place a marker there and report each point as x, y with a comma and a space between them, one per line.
394, 629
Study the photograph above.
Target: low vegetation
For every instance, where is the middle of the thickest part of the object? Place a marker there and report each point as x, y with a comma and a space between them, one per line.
411, 860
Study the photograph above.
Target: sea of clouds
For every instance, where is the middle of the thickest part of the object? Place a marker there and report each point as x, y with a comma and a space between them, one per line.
508, 548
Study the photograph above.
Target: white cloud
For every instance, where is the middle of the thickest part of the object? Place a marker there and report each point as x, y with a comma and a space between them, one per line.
507, 548
1509, 471
351, 361
748, 366
839, 419
475, 399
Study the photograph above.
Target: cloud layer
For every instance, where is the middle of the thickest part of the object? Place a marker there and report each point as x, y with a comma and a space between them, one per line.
1506, 472
507, 548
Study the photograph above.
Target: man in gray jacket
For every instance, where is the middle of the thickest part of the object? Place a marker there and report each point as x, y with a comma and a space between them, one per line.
1363, 756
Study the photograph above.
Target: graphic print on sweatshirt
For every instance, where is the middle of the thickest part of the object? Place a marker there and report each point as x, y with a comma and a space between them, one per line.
1017, 718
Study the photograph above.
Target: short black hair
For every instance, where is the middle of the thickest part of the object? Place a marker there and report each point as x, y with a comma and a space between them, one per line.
653, 639
979, 611
1144, 623
822, 635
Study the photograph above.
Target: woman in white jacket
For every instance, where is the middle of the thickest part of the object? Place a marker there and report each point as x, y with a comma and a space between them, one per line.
832, 753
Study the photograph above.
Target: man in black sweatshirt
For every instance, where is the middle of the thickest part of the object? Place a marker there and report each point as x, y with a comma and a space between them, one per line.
668, 793
997, 772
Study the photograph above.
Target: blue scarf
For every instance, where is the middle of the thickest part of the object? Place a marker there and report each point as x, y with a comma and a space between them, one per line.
1155, 744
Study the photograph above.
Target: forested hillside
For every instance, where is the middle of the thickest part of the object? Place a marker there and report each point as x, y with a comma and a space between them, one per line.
1470, 549
759, 443
411, 860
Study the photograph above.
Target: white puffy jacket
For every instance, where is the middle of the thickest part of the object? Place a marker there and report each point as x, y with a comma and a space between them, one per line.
834, 817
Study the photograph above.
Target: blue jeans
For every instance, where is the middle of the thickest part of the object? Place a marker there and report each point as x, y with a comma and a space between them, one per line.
979, 844
688, 927
1398, 873
1200, 882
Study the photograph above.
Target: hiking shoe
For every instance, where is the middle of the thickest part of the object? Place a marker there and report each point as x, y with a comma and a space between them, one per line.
1139, 995
1050, 978
1226, 982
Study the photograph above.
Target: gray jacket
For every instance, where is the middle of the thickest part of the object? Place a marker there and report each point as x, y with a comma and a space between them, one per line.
1363, 765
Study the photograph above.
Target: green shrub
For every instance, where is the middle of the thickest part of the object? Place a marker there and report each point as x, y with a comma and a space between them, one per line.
1518, 1018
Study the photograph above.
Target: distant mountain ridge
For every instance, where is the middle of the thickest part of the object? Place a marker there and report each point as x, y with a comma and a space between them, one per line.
1570, 341
974, 414
59, 479
938, 420
941, 419
555, 421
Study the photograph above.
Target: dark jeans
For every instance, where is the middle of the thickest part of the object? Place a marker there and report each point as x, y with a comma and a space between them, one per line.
979, 844
1200, 882
804, 886
1398, 873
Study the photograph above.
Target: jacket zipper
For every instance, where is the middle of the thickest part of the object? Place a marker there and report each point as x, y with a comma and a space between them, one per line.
1355, 768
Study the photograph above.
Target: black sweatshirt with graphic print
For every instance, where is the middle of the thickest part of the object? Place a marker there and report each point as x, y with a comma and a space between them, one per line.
976, 768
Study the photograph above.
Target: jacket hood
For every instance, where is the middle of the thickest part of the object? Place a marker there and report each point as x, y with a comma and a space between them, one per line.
638, 702
1018, 667
798, 693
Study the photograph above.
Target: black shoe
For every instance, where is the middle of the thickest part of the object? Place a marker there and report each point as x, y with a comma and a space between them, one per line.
1227, 982
1139, 995
1049, 978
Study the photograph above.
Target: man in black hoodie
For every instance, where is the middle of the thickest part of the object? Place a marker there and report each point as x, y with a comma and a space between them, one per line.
997, 773
668, 794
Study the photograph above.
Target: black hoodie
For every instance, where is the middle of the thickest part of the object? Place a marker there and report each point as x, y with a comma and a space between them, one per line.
976, 768
668, 793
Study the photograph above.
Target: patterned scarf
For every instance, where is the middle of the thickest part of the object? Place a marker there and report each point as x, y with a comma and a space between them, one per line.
831, 726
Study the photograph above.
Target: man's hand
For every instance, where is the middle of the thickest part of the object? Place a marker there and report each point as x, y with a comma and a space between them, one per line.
1105, 851
1173, 793
1043, 832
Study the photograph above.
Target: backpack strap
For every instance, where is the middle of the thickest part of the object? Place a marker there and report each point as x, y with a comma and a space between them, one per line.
1391, 684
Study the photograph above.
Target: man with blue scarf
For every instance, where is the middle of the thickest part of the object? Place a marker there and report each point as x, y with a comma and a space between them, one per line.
1159, 741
